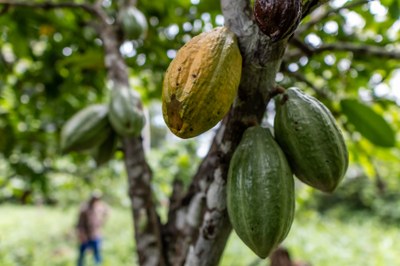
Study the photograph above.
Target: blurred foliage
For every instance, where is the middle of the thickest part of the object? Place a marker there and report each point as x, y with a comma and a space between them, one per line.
51, 66
360, 197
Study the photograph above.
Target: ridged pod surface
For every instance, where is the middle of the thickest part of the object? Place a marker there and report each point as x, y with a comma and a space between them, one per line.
86, 129
201, 83
313, 143
125, 112
260, 192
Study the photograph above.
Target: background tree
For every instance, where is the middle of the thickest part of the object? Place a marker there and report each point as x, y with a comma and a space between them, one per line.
56, 58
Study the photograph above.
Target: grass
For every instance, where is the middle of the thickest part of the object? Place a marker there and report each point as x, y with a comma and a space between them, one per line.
353, 242
326, 241
38, 236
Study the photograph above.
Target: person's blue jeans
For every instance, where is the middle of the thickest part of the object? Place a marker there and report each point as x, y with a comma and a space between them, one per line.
94, 245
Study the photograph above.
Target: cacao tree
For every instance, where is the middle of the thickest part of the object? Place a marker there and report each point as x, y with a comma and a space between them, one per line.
286, 43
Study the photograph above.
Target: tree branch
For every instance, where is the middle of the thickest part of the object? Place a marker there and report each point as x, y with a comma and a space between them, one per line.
147, 224
333, 11
320, 92
146, 221
98, 3
303, 47
128, 3
365, 50
309, 5
52, 5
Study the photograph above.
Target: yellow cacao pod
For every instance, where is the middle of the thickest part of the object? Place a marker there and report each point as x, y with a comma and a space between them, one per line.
201, 83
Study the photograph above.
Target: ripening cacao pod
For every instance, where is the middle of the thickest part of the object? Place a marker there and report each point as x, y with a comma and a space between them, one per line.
126, 112
313, 143
105, 151
86, 129
201, 83
133, 23
260, 192
277, 19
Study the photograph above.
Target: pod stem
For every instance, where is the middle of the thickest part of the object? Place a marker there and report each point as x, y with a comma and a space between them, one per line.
276, 91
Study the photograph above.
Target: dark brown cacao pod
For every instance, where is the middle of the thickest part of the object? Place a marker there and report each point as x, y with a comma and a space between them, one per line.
277, 18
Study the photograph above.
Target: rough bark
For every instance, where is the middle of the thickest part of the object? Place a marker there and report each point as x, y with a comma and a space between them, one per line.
146, 221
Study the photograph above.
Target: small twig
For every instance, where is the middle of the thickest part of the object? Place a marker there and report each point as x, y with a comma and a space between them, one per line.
98, 3
307, 50
131, 2
309, 5
315, 20
49, 5
276, 91
369, 50
359, 50
320, 92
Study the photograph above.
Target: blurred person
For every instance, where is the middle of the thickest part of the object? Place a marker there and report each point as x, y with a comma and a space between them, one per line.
92, 215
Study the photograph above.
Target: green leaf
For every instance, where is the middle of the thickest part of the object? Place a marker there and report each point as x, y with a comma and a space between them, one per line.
369, 123
394, 10
386, 2
88, 60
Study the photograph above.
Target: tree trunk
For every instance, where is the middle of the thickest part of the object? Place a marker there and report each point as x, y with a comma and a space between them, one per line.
147, 226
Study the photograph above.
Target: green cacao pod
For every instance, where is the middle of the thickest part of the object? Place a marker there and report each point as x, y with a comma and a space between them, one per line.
201, 83
105, 151
260, 192
86, 129
133, 23
125, 112
313, 143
